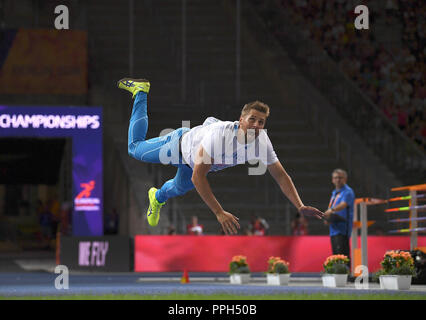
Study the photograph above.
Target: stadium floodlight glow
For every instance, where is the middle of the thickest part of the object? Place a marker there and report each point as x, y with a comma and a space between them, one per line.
84, 126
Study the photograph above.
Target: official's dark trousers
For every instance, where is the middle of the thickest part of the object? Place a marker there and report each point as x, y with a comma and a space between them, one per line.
340, 245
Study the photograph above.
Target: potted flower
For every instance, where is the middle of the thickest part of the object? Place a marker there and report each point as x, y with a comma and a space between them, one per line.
278, 272
336, 271
239, 270
397, 270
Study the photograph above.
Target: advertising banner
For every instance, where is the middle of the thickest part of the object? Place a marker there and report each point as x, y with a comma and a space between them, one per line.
214, 253
108, 253
84, 126
43, 61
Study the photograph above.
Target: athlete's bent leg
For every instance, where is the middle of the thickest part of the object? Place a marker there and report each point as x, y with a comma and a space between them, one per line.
138, 147
164, 149
177, 186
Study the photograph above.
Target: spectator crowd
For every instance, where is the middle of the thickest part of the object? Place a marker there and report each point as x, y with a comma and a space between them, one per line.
392, 77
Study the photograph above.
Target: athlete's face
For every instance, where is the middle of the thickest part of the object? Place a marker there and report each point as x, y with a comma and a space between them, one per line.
254, 120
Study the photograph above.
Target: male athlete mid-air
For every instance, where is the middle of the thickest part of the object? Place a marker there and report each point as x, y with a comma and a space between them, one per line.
213, 146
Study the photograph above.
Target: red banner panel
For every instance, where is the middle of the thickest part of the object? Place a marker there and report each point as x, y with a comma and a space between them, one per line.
214, 253
44, 61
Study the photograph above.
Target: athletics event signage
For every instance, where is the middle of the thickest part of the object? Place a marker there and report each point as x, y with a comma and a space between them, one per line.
84, 126
107, 253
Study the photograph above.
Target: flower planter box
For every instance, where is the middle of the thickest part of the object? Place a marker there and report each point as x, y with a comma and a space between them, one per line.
395, 282
240, 278
276, 279
334, 280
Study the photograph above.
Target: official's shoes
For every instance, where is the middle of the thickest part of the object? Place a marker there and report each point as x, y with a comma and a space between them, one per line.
153, 213
134, 85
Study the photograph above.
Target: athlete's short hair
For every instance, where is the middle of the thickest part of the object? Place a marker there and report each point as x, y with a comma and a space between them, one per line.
256, 105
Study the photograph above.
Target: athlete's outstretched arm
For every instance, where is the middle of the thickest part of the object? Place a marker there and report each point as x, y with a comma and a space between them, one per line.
202, 166
287, 187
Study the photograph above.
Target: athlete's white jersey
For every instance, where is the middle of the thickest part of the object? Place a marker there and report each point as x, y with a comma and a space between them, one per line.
219, 140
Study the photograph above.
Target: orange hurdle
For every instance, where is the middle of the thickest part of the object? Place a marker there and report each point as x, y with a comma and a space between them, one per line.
360, 255
413, 208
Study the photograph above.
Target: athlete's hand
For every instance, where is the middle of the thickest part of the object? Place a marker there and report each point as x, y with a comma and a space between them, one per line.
228, 221
311, 211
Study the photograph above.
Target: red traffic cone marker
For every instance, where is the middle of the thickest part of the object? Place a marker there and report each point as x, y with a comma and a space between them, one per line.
185, 277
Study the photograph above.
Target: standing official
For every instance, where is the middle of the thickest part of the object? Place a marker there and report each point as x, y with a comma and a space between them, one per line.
339, 215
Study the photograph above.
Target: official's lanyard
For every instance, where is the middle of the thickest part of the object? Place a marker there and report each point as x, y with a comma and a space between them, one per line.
333, 200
